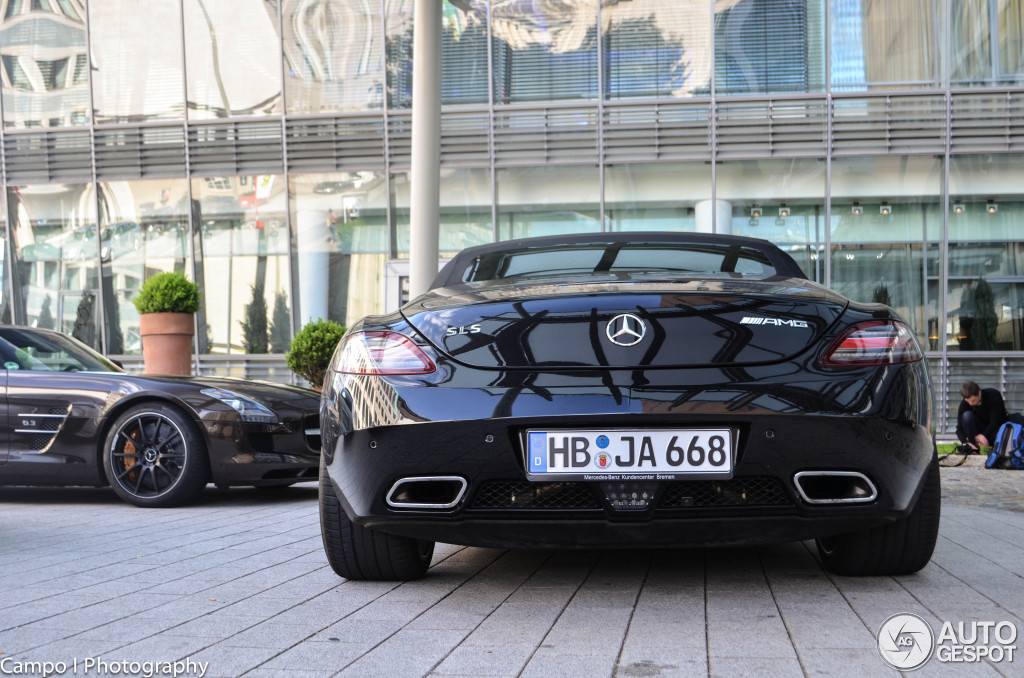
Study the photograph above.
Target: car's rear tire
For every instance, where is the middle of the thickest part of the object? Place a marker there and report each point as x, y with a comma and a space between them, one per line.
901, 547
357, 552
155, 457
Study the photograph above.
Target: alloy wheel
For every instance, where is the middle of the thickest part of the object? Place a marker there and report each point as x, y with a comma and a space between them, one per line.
148, 455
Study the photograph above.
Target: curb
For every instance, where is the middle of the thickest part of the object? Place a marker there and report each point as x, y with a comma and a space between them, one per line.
972, 461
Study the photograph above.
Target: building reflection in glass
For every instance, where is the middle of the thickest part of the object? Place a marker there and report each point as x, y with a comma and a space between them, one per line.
45, 68
55, 244
232, 60
136, 61
143, 231
341, 234
334, 56
242, 263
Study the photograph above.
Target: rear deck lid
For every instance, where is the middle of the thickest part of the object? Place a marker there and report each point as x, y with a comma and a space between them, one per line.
567, 325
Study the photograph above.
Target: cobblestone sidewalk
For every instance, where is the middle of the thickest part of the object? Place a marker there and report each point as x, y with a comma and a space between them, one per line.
239, 586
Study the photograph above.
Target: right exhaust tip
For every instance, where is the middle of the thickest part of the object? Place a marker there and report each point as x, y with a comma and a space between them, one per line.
835, 487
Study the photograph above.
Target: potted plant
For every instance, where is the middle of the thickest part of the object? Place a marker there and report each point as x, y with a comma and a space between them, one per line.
312, 348
167, 303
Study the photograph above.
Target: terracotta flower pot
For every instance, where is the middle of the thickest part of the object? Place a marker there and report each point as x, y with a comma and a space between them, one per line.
167, 342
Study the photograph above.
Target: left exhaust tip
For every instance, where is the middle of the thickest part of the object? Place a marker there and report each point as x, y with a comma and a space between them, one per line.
427, 492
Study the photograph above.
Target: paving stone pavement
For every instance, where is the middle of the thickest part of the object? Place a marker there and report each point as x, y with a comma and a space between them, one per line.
239, 586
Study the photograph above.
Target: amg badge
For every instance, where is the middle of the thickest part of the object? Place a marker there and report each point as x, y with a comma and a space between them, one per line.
779, 322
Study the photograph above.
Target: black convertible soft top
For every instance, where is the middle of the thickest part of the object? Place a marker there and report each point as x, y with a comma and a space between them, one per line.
453, 271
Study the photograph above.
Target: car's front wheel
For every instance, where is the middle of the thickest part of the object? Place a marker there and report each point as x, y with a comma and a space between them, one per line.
357, 552
155, 457
901, 547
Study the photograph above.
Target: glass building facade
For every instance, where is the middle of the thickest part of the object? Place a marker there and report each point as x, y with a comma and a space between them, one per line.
263, 148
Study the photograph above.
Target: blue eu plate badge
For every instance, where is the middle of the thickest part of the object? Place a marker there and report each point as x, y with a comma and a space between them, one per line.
538, 449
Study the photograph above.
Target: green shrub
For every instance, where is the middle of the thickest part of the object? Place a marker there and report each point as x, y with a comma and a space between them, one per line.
312, 348
167, 293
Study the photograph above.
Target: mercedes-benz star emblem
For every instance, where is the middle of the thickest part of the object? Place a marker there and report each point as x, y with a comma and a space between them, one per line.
625, 330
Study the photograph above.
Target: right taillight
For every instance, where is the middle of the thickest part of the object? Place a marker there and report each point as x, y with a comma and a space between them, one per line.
877, 342
381, 353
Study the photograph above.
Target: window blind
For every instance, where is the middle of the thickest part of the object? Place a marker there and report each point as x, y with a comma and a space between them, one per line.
762, 47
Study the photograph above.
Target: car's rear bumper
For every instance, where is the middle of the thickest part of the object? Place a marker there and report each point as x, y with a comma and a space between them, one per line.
759, 504
717, 529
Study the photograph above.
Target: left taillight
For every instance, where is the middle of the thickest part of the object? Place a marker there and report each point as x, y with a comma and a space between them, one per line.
375, 352
877, 342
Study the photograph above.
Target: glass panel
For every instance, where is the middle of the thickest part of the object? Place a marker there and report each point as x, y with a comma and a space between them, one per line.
232, 58
398, 26
768, 46
137, 68
241, 261
989, 190
886, 229
988, 42
143, 231
55, 245
534, 201
542, 52
43, 57
464, 53
341, 243
6, 313
886, 44
465, 210
986, 253
657, 50
778, 200
985, 316
334, 56
646, 197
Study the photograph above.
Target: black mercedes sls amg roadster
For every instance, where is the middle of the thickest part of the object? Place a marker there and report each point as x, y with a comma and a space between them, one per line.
72, 417
628, 390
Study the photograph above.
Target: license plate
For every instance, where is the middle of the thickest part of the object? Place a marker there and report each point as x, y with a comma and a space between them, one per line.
630, 454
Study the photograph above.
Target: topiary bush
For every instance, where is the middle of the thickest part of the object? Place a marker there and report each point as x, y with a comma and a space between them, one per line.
312, 348
167, 293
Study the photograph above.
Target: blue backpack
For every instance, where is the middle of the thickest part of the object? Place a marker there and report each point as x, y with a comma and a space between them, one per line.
1008, 447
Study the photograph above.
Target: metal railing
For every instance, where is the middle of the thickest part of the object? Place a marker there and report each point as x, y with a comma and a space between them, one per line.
254, 367
989, 369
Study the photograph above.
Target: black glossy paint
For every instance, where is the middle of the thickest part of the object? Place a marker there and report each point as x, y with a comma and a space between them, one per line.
691, 324
53, 425
540, 359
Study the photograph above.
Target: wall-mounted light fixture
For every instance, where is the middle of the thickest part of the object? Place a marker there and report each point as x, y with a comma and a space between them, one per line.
755, 212
857, 209
783, 210
885, 209
754, 223
958, 207
991, 207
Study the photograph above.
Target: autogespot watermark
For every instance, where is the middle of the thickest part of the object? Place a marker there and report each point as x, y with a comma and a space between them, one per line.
98, 666
906, 642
